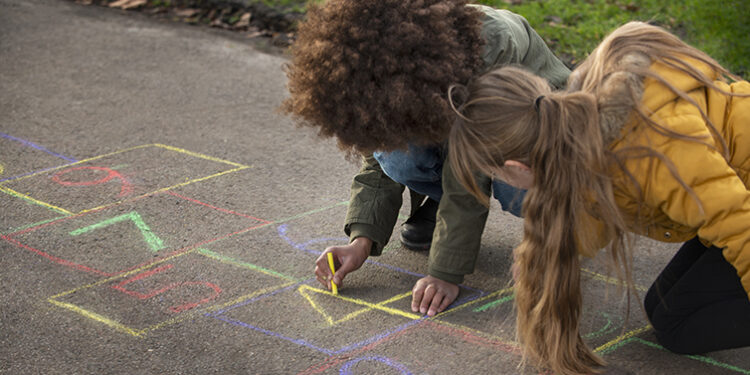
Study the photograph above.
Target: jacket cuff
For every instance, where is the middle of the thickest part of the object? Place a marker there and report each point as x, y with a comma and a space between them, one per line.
445, 276
356, 230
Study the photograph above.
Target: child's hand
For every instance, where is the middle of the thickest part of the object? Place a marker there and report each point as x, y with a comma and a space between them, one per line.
432, 295
346, 259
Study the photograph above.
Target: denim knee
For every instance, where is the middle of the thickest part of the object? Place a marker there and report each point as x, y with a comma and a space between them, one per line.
420, 169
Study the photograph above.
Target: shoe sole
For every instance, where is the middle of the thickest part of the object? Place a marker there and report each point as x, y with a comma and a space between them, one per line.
414, 246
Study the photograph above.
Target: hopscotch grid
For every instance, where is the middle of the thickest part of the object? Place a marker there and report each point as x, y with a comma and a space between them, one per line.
603, 349
221, 315
139, 332
369, 306
65, 262
238, 166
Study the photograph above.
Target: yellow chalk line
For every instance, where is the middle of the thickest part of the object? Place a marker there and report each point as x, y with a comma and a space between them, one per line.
99, 318
191, 153
370, 306
622, 337
35, 201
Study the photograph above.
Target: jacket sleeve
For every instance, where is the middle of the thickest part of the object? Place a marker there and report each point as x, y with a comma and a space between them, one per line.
373, 205
511, 40
723, 215
458, 232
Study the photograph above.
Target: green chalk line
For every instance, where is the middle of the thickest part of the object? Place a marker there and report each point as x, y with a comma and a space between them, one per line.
234, 262
34, 225
603, 330
151, 239
494, 303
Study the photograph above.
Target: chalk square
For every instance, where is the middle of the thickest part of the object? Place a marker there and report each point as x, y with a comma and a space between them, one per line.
19, 158
292, 246
642, 356
317, 319
168, 291
413, 351
295, 256
111, 178
18, 213
138, 232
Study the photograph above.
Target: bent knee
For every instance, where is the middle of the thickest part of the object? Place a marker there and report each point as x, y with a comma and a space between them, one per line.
676, 343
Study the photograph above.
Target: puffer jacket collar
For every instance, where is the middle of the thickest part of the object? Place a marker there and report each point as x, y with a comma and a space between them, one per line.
619, 93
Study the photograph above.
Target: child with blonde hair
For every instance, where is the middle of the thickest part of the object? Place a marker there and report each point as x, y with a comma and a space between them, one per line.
649, 138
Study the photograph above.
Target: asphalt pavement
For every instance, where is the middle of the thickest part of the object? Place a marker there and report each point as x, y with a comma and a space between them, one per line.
158, 216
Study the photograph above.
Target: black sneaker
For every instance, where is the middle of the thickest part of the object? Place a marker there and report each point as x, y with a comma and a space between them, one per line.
416, 232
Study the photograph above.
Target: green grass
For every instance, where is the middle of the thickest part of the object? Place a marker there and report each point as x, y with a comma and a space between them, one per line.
572, 28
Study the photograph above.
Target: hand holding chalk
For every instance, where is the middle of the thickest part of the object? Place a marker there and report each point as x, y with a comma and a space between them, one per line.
334, 288
349, 257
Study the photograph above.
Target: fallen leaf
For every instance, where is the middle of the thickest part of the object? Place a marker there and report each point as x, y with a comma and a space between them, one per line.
128, 4
244, 20
187, 12
218, 23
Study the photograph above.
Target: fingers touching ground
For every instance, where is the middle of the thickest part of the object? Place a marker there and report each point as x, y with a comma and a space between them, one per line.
431, 295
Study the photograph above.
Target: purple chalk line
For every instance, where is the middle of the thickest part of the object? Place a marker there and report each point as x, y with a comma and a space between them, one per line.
274, 334
243, 303
381, 336
36, 146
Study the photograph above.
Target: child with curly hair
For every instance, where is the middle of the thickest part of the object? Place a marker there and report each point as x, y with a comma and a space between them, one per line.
648, 138
374, 74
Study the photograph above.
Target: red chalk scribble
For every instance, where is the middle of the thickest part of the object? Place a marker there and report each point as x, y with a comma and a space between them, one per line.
153, 293
126, 188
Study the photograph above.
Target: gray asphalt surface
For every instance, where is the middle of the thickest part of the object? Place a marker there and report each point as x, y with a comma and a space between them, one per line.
158, 217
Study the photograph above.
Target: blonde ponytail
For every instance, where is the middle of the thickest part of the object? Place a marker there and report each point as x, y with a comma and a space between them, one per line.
571, 172
513, 115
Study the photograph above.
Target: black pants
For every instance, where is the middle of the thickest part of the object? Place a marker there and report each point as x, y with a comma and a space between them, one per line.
697, 303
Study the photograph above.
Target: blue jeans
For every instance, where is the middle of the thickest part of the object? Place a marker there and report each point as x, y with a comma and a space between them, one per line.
421, 169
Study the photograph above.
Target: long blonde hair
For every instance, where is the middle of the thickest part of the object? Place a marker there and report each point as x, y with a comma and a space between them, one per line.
511, 114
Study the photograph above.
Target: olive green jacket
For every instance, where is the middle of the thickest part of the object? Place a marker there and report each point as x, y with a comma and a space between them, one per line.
376, 199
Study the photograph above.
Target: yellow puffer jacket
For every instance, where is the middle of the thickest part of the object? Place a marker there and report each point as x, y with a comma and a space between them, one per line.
668, 211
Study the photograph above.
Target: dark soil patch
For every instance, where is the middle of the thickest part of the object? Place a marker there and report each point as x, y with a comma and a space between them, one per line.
255, 19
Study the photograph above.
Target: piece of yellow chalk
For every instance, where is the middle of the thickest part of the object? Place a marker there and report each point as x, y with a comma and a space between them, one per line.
334, 289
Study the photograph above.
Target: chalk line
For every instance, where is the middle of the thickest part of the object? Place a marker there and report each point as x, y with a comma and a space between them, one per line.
36, 146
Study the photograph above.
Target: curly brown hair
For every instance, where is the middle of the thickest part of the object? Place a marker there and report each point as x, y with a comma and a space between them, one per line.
375, 73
